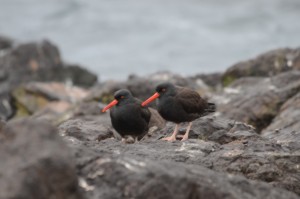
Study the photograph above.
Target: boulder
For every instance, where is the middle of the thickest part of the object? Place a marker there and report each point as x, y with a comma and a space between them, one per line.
87, 130
35, 96
216, 143
256, 101
2, 124
127, 177
30, 62
30, 57
7, 108
5, 43
71, 74
41, 61
213, 80
35, 163
288, 116
268, 64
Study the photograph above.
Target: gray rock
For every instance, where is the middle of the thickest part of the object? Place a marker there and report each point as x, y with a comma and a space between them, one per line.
288, 116
7, 109
86, 130
219, 144
124, 176
31, 57
2, 124
268, 64
213, 80
71, 74
35, 163
5, 43
39, 61
286, 138
256, 101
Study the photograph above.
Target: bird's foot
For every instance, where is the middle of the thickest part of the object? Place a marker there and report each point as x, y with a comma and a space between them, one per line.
170, 139
184, 138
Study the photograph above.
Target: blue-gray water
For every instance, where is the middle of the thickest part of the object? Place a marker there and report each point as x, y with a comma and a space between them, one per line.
117, 37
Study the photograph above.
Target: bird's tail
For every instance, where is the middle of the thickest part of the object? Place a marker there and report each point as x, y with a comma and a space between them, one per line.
210, 108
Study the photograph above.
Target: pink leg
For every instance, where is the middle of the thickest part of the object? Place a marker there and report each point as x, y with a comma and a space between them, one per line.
173, 136
186, 135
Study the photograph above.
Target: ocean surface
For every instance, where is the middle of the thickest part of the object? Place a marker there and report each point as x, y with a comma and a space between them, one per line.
115, 38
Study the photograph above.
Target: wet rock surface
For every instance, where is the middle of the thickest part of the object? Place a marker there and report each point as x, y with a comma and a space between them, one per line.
35, 163
220, 145
126, 177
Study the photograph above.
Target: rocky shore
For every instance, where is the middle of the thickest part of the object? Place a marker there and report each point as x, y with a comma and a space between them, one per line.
56, 143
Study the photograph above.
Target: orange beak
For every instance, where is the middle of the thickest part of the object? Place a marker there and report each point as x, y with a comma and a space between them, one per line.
113, 103
150, 99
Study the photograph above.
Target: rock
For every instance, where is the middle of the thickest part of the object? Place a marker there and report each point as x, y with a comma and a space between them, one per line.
35, 163
70, 74
156, 119
256, 101
214, 80
147, 170
86, 130
2, 124
216, 143
41, 61
33, 97
126, 177
30, 57
268, 64
52, 111
288, 116
286, 138
7, 109
30, 62
57, 91
5, 43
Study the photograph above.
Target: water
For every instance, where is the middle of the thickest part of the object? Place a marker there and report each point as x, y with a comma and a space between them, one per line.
115, 38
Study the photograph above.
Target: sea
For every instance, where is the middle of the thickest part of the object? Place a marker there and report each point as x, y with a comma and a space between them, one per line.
115, 38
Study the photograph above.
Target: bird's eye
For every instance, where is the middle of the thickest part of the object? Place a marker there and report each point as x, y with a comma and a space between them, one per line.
122, 97
163, 90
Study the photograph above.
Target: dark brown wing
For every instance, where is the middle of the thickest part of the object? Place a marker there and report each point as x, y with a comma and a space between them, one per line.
190, 100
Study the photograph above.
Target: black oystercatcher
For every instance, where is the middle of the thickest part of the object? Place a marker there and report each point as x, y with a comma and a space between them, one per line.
178, 104
127, 115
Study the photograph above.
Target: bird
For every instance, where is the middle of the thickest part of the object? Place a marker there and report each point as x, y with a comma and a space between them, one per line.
178, 105
127, 115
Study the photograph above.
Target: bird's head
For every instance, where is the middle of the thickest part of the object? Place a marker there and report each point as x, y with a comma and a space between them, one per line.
120, 96
163, 89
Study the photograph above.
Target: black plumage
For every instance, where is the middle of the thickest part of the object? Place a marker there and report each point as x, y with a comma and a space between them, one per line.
127, 115
179, 104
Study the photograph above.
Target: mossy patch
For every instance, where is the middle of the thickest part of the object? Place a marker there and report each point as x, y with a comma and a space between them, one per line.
28, 102
227, 80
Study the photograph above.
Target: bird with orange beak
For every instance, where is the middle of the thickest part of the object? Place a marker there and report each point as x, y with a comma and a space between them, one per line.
178, 104
127, 115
